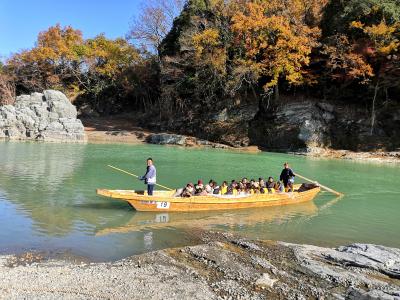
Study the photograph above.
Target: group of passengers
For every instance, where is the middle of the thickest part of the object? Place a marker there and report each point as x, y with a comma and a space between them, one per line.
242, 187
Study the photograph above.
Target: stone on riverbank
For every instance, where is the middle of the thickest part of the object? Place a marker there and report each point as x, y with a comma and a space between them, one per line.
47, 116
180, 140
226, 267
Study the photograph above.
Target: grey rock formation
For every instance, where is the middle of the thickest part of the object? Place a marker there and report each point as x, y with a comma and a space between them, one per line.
167, 139
311, 125
180, 140
47, 116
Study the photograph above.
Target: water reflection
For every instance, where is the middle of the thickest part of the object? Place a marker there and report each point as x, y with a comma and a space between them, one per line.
207, 220
34, 177
40, 167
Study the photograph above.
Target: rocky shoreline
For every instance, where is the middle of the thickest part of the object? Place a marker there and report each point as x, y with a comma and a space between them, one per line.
222, 267
50, 117
116, 130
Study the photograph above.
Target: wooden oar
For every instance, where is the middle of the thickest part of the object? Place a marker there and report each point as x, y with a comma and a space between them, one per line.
324, 187
134, 175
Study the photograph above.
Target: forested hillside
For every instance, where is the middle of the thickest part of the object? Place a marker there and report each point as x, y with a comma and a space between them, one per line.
279, 74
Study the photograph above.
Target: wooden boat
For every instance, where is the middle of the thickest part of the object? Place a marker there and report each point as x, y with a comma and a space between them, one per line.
165, 201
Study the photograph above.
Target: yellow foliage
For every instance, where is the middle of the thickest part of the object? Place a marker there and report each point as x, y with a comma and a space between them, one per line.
273, 44
208, 49
357, 24
109, 57
382, 35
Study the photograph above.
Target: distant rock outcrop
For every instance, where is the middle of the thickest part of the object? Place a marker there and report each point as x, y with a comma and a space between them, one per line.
47, 116
180, 140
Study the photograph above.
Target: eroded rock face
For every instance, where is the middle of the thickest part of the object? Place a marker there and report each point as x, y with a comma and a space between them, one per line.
312, 125
47, 116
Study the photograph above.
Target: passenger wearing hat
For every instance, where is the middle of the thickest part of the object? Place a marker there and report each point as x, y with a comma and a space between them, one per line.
199, 188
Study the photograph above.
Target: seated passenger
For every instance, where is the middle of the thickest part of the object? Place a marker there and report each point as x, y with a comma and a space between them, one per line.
210, 187
261, 183
239, 191
231, 187
279, 187
188, 191
255, 189
199, 189
224, 188
248, 188
290, 183
270, 184
216, 188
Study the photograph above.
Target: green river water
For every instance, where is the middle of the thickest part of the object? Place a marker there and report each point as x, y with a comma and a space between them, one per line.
48, 200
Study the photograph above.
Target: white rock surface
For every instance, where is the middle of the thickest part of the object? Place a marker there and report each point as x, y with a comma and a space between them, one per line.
47, 116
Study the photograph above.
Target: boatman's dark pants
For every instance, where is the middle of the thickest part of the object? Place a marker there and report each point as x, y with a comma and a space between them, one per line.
150, 188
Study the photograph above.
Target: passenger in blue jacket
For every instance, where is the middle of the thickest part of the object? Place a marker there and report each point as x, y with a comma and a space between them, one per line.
150, 176
287, 176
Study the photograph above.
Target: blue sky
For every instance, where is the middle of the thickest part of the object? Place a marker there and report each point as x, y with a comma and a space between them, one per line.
22, 20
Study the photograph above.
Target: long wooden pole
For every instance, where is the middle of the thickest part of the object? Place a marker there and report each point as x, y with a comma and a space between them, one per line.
134, 175
324, 187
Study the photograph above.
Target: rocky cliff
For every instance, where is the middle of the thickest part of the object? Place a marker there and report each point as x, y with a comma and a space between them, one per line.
203, 106
47, 116
310, 124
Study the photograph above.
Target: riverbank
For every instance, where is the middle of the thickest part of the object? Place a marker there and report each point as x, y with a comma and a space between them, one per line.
124, 130
222, 267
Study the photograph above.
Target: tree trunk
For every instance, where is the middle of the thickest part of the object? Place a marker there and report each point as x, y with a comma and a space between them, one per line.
373, 107
276, 92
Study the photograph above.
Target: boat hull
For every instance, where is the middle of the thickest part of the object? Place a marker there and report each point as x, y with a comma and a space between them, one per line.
163, 201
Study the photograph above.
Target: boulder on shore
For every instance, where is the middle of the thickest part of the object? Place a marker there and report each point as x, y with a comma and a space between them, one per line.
47, 116
180, 140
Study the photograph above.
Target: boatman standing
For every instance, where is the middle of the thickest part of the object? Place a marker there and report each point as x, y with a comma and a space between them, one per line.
287, 176
150, 176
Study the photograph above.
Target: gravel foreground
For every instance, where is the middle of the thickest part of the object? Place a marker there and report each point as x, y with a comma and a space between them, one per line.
224, 267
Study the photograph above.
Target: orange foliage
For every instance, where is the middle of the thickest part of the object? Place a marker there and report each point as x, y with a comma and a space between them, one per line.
344, 62
275, 44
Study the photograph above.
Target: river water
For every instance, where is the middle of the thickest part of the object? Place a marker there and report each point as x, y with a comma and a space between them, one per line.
48, 200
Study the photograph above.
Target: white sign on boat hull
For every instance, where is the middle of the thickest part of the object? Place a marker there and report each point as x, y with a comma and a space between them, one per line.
163, 205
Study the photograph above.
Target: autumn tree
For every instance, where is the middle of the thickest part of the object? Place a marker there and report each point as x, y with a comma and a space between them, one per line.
274, 42
370, 29
108, 74
383, 44
7, 89
51, 62
109, 67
